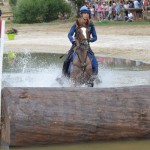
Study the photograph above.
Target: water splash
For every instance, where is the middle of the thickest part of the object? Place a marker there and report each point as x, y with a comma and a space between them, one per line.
29, 71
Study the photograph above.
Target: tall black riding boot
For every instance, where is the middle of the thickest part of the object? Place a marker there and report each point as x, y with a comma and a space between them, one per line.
67, 61
65, 67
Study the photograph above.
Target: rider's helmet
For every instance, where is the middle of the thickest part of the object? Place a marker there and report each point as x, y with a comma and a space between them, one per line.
84, 9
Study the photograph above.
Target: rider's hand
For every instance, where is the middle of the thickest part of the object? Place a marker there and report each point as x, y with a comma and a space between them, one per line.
74, 43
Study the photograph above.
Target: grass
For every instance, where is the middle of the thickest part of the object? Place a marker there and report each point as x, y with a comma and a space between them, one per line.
102, 23
118, 23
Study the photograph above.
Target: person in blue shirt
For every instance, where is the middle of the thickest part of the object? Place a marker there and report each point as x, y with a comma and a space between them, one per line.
85, 15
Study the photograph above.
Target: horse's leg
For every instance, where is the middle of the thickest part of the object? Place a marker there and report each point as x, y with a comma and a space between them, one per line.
91, 82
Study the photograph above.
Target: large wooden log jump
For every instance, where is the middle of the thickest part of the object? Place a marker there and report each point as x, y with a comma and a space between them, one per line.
38, 116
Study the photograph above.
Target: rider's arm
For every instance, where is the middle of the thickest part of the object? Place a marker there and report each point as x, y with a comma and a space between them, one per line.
71, 33
93, 32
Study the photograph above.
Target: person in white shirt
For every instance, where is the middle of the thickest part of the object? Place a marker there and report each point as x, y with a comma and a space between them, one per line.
129, 18
110, 10
136, 4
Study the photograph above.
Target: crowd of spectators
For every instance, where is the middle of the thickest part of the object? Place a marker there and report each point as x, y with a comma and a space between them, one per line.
127, 10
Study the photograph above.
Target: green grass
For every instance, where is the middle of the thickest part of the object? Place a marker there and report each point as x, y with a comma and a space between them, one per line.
96, 23
118, 23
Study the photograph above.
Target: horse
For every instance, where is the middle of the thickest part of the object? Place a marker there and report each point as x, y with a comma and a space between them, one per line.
81, 71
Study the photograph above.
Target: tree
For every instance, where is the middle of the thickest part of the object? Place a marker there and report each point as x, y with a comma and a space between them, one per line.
12, 2
30, 11
76, 4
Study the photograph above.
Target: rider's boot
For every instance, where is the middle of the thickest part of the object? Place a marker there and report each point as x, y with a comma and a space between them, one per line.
94, 68
94, 62
67, 61
65, 67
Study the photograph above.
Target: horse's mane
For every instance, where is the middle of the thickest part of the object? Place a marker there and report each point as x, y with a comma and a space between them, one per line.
82, 23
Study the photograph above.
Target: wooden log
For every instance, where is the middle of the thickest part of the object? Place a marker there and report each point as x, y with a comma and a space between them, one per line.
38, 116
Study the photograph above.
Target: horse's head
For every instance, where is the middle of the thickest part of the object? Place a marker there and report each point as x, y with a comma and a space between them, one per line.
82, 33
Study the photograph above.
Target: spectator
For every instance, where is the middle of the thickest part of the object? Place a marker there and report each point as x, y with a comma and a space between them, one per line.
92, 10
131, 4
99, 12
114, 9
110, 15
126, 6
105, 9
118, 7
118, 17
145, 4
129, 18
141, 7
140, 3
137, 6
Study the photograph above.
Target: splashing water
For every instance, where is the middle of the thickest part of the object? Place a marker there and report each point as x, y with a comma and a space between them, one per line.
42, 71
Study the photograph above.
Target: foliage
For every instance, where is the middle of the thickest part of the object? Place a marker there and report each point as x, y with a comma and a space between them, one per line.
76, 4
12, 2
26, 11
12, 31
31, 11
79, 3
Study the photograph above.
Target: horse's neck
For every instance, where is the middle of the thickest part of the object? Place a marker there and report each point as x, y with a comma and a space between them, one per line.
82, 55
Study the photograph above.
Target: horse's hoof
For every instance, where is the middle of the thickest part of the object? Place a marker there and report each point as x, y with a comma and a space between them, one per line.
90, 84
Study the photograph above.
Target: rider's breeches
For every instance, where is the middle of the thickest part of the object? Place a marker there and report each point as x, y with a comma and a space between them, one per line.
94, 61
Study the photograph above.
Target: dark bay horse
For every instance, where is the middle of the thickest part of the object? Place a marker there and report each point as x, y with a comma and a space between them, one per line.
81, 65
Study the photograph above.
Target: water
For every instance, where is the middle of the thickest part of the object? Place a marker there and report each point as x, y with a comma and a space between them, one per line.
41, 70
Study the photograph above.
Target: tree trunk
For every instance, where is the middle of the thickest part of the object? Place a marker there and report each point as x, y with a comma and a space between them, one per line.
40, 116
74, 7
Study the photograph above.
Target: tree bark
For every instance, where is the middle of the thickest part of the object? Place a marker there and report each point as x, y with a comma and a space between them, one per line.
42, 116
74, 7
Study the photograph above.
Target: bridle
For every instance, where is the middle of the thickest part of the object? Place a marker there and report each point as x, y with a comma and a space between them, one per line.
83, 37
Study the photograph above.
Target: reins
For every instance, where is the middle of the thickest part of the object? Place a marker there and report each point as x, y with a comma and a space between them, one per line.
83, 65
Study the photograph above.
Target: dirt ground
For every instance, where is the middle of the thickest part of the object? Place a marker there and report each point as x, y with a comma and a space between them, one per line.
130, 42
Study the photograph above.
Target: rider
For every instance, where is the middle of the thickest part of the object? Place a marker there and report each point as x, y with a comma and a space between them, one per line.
85, 16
